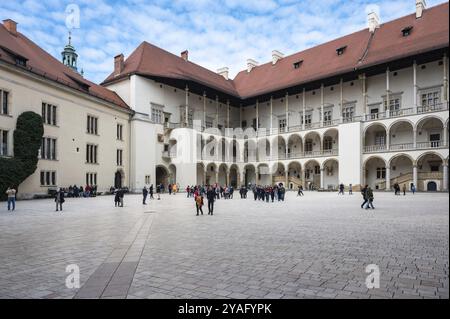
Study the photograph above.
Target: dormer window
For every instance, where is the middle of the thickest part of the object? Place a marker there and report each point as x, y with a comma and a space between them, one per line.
407, 31
341, 50
21, 62
298, 64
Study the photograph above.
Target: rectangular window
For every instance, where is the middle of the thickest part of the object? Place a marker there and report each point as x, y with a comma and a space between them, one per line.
92, 125
48, 178
282, 124
119, 157
91, 179
157, 114
380, 138
147, 179
348, 112
120, 132
3, 143
430, 99
48, 148
327, 116
308, 146
91, 154
49, 114
308, 119
394, 103
4, 102
381, 172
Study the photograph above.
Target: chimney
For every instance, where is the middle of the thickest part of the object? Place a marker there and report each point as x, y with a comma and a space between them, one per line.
373, 21
185, 55
119, 62
223, 72
421, 5
251, 64
276, 56
11, 26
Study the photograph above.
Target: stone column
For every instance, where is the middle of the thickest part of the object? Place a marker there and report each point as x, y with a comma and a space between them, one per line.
271, 115
415, 86
204, 109
445, 177
388, 140
287, 179
322, 101
364, 94
217, 177
217, 111
387, 94
257, 115
445, 80
322, 178
415, 175
287, 113
341, 108
304, 109
228, 178
388, 179
228, 114
414, 138
186, 108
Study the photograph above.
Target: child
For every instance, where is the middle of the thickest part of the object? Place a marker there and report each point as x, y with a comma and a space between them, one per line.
199, 204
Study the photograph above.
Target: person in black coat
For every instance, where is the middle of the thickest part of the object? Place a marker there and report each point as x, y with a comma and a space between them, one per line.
144, 195
59, 199
211, 196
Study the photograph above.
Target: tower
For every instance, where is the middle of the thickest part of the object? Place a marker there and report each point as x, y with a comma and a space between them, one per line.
69, 55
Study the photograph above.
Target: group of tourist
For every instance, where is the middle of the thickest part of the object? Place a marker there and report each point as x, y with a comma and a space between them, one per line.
342, 189
75, 191
269, 193
397, 190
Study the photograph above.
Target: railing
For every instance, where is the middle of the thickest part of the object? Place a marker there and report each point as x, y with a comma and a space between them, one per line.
432, 108
375, 116
430, 144
401, 147
401, 112
374, 148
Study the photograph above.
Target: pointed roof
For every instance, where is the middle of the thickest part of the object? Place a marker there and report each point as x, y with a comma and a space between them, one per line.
43, 64
362, 49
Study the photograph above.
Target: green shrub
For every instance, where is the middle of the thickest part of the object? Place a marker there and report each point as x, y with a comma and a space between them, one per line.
27, 142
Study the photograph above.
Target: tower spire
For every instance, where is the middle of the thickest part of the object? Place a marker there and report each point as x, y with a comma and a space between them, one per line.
69, 55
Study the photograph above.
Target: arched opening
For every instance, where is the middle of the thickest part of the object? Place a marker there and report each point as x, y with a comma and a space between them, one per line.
375, 138
172, 174
162, 175
432, 187
430, 170
222, 150
312, 144
295, 175
401, 171
331, 174
401, 136
331, 142
375, 173
430, 133
250, 150
295, 146
200, 146
279, 174
263, 150
211, 176
264, 175
210, 151
312, 175
234, 176
119, 177
278, 148
249, 175
223, 169
201, 178
234, 153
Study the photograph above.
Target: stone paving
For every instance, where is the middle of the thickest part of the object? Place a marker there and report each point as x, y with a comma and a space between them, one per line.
317, 246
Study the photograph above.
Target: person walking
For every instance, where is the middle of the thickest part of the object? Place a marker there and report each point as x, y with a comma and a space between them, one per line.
11, 193
121, 196
341, 189
144, 195
413, 188
300, 191
370, 198
211, 196
404, 189
158, 190
59, 199
350, 189
199, 204
174, 189
364, 195
151, 191
116, 198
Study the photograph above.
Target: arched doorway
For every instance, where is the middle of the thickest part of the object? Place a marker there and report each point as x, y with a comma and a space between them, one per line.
172, 174
162, 175
331, 174
118, 179
249, 175
431, 187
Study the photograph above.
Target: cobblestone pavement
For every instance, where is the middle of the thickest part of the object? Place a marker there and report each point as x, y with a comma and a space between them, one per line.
317, 246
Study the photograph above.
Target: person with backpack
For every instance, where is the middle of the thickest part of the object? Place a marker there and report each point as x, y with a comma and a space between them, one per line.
199, 204
59, 199
370, 198
364, 195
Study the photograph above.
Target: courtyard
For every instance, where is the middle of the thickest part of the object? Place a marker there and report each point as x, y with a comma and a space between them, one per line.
316, 246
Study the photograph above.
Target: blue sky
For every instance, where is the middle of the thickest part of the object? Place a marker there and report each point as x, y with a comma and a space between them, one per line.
216, 33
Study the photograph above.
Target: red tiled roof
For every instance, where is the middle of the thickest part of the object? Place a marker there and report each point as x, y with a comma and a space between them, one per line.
150, 60
43, 64
429, 32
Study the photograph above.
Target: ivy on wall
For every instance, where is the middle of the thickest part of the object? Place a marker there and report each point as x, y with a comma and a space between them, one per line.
27, 142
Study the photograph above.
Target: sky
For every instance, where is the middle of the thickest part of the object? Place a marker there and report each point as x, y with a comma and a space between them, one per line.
217, 33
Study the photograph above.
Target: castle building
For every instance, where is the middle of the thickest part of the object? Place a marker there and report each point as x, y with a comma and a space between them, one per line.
370, 108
